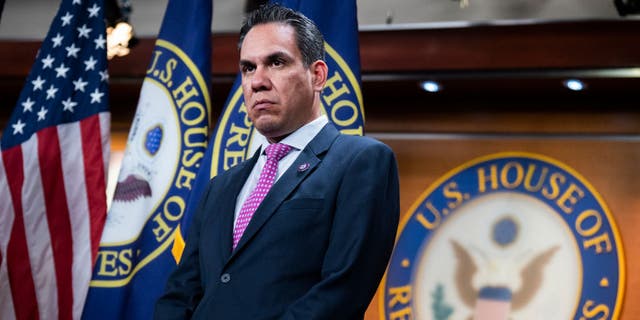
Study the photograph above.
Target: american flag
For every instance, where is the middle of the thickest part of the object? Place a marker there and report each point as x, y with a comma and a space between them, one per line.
55, 149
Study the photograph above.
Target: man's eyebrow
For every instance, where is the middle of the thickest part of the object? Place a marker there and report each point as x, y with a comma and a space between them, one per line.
246, 63
278, 55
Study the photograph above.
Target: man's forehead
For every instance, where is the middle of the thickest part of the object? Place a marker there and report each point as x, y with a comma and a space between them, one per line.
273, 30
267, 40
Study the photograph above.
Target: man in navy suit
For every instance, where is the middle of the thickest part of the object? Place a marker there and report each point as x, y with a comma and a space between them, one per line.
317, 246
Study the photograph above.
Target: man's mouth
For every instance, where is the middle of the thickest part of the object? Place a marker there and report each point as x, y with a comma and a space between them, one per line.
262, 104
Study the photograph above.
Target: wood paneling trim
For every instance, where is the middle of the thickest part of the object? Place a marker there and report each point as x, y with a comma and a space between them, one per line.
587, 44
583, 44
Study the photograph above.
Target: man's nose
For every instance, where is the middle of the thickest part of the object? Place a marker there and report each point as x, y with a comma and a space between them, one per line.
260, 79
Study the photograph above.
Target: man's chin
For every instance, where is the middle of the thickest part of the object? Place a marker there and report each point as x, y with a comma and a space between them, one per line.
269, 129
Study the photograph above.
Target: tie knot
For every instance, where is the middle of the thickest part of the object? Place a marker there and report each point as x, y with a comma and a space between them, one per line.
277, 151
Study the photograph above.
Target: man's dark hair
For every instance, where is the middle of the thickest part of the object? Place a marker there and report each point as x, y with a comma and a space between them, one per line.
308, 36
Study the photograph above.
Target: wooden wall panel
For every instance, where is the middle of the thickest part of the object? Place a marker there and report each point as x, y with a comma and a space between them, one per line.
610, 164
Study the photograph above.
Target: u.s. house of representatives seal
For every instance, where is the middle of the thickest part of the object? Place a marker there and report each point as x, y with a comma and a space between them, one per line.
507, 236
166, 142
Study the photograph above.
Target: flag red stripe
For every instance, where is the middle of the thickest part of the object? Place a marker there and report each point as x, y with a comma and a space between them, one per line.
57, 217
18, 263
94, 178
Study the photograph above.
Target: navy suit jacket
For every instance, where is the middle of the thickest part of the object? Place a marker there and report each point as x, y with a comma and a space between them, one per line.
316, 247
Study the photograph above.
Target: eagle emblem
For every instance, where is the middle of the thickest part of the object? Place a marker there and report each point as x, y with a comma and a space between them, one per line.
495, 297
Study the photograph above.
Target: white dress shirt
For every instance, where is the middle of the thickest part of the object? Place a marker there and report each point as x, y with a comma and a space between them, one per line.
298, 140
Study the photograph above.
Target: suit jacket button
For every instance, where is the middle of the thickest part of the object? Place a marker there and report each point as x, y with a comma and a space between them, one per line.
225, 278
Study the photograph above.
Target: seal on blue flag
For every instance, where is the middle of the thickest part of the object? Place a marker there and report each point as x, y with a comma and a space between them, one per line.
166, 142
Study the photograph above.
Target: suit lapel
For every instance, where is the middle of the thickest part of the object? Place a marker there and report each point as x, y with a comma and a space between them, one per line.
234, 185
308, 160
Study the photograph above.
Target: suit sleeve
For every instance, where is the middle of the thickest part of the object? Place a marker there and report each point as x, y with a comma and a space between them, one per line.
183, 290
362, 237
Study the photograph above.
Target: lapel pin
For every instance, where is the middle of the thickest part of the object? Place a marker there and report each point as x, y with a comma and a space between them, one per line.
303, 167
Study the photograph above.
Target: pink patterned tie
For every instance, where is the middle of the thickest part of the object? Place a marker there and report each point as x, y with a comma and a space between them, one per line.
275, 152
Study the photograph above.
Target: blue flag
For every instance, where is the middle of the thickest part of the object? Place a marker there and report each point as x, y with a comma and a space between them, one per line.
55, 150
166, 142
235, 139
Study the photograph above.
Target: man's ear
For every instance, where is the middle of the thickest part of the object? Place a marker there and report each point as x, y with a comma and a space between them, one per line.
319, 72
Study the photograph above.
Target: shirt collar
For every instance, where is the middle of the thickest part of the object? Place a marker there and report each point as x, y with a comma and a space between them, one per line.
300, 138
